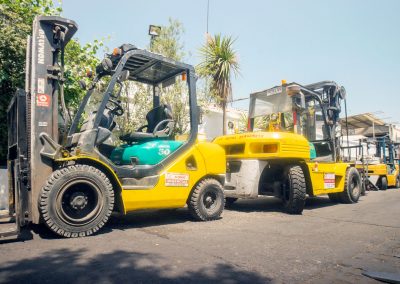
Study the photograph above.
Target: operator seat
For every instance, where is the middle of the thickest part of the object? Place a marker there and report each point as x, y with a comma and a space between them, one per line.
159, 125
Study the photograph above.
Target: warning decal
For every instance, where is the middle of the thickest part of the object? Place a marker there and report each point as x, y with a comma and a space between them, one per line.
43, 100
329, 180
176, 179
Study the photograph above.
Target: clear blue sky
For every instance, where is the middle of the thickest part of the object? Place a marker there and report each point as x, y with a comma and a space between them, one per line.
355, 43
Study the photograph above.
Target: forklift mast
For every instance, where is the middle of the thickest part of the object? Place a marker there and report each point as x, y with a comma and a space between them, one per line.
36, 111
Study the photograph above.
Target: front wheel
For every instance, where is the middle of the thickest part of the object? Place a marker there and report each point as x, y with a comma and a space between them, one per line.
207, 201
76, 201
382, 183
294, 190
352, 186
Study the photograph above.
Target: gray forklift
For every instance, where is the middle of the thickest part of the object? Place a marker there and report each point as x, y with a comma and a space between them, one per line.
70, 175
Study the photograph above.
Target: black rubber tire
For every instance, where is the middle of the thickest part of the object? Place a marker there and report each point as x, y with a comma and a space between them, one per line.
382, 183
352, 187
229, 201
76, 186
294, 190
208, 192
334, 197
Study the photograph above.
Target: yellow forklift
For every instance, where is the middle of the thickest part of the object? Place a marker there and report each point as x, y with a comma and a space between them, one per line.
292, 148
72, 175
383, 168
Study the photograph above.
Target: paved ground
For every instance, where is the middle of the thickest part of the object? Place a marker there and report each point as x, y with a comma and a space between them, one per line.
254, 242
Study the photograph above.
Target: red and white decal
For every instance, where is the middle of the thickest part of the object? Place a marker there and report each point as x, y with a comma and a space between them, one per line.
329, 180
43, 100
176, 179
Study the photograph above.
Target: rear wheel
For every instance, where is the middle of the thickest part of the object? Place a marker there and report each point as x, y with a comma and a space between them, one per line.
76, 201
294, 190
207, 201
352, 186
382, 183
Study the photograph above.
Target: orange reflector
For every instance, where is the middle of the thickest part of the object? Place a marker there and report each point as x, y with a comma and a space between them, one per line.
116, 51
184, 76
270, 148
89, 73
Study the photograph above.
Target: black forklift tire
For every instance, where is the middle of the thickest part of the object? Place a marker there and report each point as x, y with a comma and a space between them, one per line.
382, 183
229, 201
334, 197
294, 195
352, 187
207, 200
76, 201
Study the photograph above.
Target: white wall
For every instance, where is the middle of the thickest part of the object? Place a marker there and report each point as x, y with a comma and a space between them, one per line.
212, 121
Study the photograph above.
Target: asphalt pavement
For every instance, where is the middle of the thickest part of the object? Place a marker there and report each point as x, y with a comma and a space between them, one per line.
254, 242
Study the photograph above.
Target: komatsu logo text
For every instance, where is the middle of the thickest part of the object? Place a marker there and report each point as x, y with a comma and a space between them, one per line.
41, 38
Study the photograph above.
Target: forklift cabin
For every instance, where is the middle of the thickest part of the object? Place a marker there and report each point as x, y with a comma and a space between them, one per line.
311, 111
73, 179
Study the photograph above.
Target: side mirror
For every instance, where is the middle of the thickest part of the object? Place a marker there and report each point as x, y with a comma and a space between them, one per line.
105, 66
106, 63
342, 93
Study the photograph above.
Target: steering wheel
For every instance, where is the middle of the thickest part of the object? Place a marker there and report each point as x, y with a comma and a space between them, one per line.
162, 124
117, 109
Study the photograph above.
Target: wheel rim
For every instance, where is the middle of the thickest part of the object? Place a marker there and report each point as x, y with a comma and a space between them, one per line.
78, 202
210, 199
354, 186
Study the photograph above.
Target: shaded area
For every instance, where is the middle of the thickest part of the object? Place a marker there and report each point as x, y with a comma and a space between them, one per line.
66, 266
135, 220
271, 204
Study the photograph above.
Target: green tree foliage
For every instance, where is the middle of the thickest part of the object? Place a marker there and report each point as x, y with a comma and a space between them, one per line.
219, 61
16, 18
78, 60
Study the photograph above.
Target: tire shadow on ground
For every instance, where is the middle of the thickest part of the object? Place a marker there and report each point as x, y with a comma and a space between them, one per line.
271, 204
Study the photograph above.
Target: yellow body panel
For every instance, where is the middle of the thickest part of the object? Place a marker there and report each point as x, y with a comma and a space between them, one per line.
376, 169
210, 161
391, 180
162, 196
383, 170
265, 145
319, 173
257, 145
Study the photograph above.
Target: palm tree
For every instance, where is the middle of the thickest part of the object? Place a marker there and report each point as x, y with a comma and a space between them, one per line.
219, 61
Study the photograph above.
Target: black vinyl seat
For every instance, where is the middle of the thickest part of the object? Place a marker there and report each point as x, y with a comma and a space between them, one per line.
159, 125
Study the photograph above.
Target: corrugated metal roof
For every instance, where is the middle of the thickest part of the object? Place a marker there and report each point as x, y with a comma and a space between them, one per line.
363, 120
